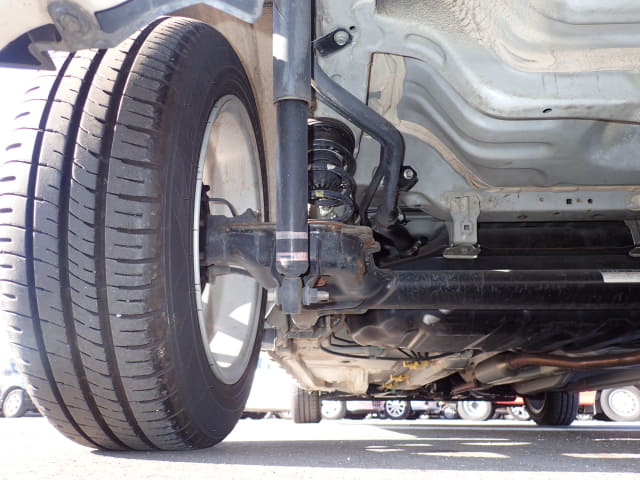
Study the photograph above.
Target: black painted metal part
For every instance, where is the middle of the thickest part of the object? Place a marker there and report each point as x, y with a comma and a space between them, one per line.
342, 265
292, 94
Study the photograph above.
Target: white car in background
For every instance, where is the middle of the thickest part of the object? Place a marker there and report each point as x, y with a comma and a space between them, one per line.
395, 409
271, 390
14, 399
350, 409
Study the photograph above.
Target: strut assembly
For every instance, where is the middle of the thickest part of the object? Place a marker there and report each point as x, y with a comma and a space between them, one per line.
328, 165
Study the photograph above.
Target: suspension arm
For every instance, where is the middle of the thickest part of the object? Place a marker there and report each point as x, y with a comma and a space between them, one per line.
343, 277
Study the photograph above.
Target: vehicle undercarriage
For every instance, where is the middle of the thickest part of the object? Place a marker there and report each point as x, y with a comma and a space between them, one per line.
442, 202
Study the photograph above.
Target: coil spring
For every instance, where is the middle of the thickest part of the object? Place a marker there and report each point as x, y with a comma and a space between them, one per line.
331, 168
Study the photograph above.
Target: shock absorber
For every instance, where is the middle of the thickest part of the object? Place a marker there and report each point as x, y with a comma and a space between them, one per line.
331, 168
291, 94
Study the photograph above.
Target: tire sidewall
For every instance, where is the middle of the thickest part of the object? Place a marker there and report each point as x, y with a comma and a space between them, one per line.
610, 412
195, 88
466, 414
338, 413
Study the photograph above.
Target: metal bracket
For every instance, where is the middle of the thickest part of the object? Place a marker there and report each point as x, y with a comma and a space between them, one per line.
332, 42
408, 178
278, 320
463, 228
634, 228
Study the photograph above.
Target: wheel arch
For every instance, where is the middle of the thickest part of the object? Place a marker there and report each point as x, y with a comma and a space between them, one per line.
70, 26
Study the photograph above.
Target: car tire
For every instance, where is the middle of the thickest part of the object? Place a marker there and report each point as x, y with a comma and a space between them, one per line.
553, 408
101, 207
397, 409
15, 403
475, 410
253, 415
621, 404
356, 415
602, 417
333, 409
306, 406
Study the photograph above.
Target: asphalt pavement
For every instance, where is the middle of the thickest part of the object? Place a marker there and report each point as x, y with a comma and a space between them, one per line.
371, 449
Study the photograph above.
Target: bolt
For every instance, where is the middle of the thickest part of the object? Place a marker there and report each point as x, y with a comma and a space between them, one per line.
69, 22
323, 296
314, 295
408, 174
341, 37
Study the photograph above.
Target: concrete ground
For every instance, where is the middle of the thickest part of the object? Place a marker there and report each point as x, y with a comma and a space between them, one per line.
373, 449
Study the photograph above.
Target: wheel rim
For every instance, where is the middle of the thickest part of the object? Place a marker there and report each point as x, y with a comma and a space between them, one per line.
476, 408
519, 411
228, 307
395, 408
449, 412
331, 408
12, 403
623, 403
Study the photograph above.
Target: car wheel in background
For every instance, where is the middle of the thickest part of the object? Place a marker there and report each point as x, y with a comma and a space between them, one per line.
15, 403
553, 408
621, 404
333, 409
397, 409
306, 406
475, 410
519, 412
449, 411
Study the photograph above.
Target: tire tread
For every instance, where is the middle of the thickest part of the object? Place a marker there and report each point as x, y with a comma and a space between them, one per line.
306, 406
75, 293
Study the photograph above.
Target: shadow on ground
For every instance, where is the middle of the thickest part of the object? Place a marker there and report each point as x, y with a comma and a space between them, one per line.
403, 446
